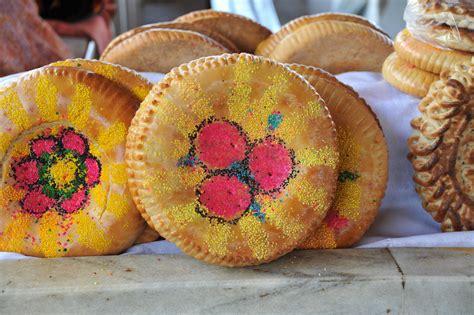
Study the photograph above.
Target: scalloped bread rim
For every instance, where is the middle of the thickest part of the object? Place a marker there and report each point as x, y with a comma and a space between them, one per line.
432, 131
311, 74
93, 62
414, 81
164, 35
169, 26
269, 44
134, 153
330, 28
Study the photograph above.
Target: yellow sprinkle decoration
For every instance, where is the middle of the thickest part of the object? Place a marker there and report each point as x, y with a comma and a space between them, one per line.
140, 92
99, 195
119, 173
63, 171
13, 108
49, 231
89, 234
349, 150
5, 140
318, 157
239, 98
12, 238
347, 200
217, 238
257, 238
183, 214
112, 136
47, 98
106, 70
80, 106
117, 204
9, 194
323, 237
278, 216
190, 177
308, 194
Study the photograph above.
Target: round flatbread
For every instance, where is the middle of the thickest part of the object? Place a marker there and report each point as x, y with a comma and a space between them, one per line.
334, 46
64, 185
442, 149
246, 162
127, 78
245, 33
160, 50
363, 164
267, 46
407, 77
218, 37
425, 56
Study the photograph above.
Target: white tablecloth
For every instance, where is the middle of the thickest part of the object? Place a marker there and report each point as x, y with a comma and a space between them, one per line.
401, 222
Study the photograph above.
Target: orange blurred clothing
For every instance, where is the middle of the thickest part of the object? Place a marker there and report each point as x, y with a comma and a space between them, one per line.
27, 41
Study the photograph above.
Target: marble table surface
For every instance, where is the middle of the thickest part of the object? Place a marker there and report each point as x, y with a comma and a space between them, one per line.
355, 281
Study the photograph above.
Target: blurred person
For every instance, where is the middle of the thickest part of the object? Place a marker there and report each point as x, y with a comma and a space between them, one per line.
27, 41
80, 18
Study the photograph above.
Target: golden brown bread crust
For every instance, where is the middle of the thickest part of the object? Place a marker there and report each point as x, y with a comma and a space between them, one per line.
160, 50
245, 33
406, 77
218, 37
71, 197
425, 56
149, 235
250, 92
441, 149
334, 46
363, 169
266, 46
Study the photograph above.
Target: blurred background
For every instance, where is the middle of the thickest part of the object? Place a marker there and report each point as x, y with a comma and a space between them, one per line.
29, 29
272, 13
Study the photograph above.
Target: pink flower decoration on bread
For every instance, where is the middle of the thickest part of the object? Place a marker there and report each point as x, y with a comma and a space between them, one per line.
57, 174
237, 169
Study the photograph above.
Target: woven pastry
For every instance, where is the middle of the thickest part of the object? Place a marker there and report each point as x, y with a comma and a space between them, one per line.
234, 159
363, 166
442, 146
334, 46
64, 187
245, 33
